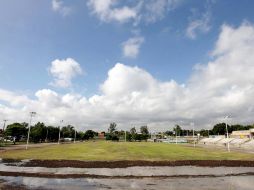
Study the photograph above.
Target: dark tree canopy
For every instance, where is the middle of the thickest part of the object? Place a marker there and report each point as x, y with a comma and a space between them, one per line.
144, 130
68, 131
16, 130
112, 128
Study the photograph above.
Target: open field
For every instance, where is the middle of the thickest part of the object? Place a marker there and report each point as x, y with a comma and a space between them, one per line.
106, 151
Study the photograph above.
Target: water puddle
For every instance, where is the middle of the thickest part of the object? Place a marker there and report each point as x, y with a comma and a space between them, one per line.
132, 171
152, 177
225, 183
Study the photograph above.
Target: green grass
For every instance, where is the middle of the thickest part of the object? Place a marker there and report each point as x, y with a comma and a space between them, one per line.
102, 150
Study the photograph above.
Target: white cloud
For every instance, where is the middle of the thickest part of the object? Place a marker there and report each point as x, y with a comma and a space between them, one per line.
58, 6
131, 46
141, 10
105, 11
156, 9
64, 71
200, 25
132, 96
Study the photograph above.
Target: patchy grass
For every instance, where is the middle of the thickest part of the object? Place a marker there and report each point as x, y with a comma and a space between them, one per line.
103, 150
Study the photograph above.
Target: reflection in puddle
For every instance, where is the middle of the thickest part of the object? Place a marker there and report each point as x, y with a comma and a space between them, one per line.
225, 183
132, 171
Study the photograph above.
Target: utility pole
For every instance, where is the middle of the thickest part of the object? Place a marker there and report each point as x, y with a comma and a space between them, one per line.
59, 135
32, 114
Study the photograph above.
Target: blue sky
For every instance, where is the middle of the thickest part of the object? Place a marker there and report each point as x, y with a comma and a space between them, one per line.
165, 40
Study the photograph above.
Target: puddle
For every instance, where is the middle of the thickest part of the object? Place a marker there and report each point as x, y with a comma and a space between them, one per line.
147, 177
132, 171
225, 183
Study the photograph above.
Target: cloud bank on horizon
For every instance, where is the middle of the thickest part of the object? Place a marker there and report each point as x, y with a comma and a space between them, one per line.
131, 96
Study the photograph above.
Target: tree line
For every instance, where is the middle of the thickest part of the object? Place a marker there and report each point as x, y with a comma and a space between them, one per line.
218, 129
131, 135
42, 133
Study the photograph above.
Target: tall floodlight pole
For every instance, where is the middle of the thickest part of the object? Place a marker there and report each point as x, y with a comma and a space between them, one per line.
59, 134
75, 136
5, 120
176, 136
193, 134
226, 117
32, 114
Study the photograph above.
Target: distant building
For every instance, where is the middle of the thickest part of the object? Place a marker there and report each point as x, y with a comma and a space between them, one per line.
101, 135
243, 134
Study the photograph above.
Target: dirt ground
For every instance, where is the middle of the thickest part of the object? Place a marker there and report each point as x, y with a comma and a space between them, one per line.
130, 163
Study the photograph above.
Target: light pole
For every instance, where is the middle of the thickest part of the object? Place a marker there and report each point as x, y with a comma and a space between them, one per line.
32, 114
193, 134
75, 136
176, 136
5, 120
226, 117
59, 135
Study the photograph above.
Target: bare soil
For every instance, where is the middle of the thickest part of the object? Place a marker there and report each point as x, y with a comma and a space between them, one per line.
129, 163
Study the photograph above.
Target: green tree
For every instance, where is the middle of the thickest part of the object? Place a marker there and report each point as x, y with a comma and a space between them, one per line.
16, 130
89, 134
52, 133
144, 133
169, 133
38, 132
112, 128
133, 133
219, 129
68, 131
178, 130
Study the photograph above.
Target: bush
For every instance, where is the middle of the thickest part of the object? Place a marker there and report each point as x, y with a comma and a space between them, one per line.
115, 138
108, 137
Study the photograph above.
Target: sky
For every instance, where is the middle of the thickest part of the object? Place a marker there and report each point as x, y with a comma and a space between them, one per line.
133, 62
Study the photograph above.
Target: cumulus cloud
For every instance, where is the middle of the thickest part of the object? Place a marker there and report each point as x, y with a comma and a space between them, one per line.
199, 25
64, 71
132, 96
131, 47
106, 11
120, 11
58, 6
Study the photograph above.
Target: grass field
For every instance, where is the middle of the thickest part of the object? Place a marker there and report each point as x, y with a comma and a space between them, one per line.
103, 150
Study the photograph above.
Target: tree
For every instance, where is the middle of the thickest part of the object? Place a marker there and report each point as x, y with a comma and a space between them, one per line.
169, 133
219, 128
145, 133
112, 128
89, 134
38, 132
68, 131
203, 132
144, 130
133, 133
16, 130
177, 129
53, 133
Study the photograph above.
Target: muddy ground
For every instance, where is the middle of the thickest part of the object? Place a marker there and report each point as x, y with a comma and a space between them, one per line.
128, 163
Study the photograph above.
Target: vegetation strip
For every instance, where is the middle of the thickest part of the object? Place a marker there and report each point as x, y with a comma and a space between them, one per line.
128, 163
